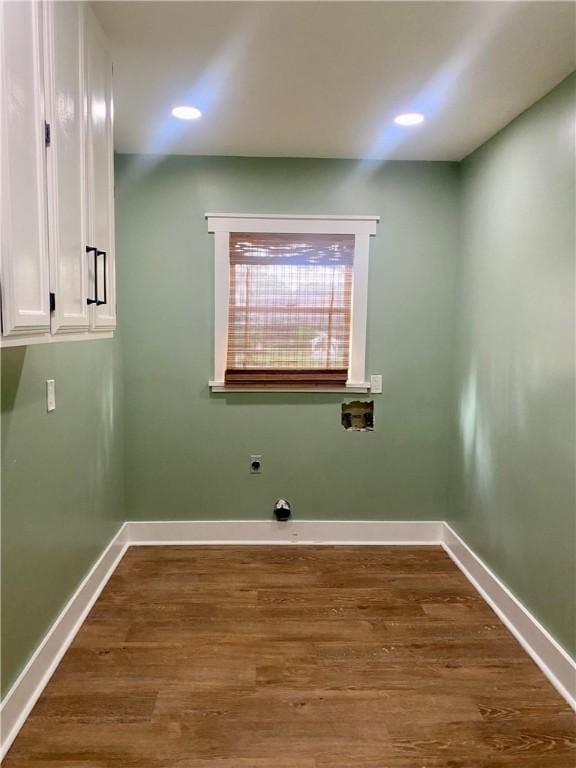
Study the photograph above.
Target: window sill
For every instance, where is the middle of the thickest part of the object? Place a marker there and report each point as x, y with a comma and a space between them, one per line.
359, 388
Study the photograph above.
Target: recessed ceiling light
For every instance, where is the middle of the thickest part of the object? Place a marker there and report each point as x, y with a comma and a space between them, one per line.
410, 118
186, 113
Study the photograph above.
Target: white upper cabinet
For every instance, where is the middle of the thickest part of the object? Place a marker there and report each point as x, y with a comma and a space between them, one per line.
101, 174
57, 186
25, 287
65, 109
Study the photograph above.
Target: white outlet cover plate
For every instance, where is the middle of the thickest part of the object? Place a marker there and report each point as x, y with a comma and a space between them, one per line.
50, 395
376, 384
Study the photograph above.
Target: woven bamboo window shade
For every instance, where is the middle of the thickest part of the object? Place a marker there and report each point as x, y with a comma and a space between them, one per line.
289, 310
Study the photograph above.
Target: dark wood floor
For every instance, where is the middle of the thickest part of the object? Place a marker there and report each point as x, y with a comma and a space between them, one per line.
294, 657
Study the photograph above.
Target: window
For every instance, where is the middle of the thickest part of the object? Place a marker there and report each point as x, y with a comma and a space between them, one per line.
290, 301
289, 309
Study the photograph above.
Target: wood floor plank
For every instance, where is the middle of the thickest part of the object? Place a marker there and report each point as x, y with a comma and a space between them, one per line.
294, 657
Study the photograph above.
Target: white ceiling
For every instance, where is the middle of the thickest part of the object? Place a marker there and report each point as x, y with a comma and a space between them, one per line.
325, 79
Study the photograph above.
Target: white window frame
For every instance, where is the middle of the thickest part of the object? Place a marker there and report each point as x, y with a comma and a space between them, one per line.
362, 227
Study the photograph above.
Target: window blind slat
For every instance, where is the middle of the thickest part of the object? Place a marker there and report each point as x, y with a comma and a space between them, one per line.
289, 309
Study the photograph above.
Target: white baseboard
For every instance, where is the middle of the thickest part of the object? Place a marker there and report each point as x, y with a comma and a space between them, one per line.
292, 532
556, 664
22, 696
538, 643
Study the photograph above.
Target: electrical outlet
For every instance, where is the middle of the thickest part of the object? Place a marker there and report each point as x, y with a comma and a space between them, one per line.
256, 464
376, 384
50, 395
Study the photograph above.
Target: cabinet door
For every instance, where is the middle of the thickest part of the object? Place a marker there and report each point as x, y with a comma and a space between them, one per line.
100, 177
25, 286
67, 213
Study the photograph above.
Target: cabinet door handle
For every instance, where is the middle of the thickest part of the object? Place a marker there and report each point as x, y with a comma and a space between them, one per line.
99, 302
91, 249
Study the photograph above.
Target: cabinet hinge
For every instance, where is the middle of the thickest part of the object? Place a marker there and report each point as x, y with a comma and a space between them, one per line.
46, 133
52, 302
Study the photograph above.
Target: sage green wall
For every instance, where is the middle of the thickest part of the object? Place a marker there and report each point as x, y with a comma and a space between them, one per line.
514, 491
62, 486
187, 449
